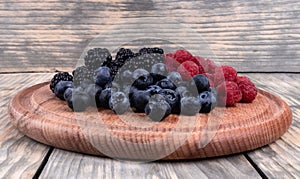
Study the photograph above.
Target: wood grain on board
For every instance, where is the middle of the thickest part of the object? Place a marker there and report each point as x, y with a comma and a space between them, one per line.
20, 155
51, 35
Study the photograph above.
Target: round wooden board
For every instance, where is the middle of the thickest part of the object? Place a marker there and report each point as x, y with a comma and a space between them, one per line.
37, 113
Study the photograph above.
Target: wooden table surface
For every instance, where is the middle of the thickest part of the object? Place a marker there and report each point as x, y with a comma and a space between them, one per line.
261, 39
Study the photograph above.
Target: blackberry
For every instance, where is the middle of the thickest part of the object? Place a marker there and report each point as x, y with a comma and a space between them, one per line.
145, 61
62, 76
82, 74
151, 50
96, 57
123, 55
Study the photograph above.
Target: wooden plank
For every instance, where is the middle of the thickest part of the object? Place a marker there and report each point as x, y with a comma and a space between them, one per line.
73, 165
281, 159
49, 36
20, 156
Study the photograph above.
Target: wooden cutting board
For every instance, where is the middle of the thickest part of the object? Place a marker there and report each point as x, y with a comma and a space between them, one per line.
37, 113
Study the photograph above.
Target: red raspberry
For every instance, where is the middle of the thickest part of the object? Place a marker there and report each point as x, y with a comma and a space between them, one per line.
210, 79
170, 62
229, 92
188, 69
182, 55
200, 62
242, 78
247, 88
210, 66
226, 73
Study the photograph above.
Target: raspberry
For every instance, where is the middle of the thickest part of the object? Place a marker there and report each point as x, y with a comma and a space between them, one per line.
247, 88
226, 73
210, 66
210, 79
188, 69
170, 62
242, 78
199, 62
182, 55
230, 92
230, 73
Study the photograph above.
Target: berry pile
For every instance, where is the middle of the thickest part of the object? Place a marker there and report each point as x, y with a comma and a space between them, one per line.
152, 82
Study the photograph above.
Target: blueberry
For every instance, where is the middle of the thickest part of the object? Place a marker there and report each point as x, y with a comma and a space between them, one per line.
94, 92
79, 100
126, 89
157, 108
143, 81
127, 77
182, 91
61, 87
104, 98
113, 86
192, 88
207, 101
139, 72
175, 77
103, 76
139, 99
202, 83
153, 89
172, 98
157, 77
159, 68
68, 94
166, 84
190, 106
119, 103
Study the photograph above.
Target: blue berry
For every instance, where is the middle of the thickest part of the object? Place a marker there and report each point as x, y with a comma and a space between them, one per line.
207, 101
119, 103
104, 98
157, 77
94, 92
127, 77
166, 84
61, 87
153, 89
79, 100
113, 86
139, 72
103, 76
182, 91
172, 98
157, 108
189, 106
139, 99
201, 82
159, 68
175, 77
143, 81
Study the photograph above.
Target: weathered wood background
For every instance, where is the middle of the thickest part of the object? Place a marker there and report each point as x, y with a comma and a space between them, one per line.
51, 35
46, 36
